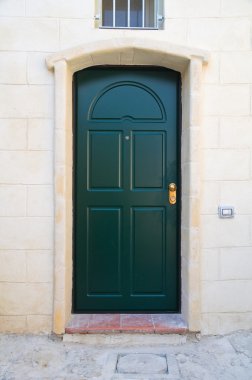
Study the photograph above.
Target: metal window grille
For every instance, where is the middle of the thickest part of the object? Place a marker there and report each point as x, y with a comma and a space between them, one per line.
139, 14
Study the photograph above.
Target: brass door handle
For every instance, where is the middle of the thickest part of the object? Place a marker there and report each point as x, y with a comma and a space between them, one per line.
172, 193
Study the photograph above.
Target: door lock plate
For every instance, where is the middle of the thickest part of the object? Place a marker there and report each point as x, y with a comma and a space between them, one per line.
172, 193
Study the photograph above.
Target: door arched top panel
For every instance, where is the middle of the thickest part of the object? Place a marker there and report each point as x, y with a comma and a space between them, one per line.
127, 100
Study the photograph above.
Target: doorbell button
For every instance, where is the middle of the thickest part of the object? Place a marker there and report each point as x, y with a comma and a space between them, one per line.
226, 211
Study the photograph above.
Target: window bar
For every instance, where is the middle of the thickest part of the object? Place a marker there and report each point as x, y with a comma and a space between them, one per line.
114, 12
128, 13
155, 13
99, 12
143, 13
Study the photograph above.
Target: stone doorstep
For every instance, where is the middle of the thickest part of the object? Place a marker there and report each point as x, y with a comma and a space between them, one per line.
126, 323
125, 340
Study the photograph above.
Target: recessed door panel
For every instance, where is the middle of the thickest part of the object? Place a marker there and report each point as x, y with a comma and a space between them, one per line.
124, 100
126, 151
104, 149
148, 251
148, 160
103, 251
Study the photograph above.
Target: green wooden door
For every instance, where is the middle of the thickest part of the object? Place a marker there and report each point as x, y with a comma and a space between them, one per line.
125, 230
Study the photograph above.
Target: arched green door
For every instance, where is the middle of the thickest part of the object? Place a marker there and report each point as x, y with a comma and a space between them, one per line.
126, 154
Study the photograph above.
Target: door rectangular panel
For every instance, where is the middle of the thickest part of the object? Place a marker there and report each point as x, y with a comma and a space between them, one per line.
148, 160
104, 160
103, 251
147, 250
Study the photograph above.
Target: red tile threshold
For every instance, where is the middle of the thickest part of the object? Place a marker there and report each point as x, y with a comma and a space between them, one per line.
126, 323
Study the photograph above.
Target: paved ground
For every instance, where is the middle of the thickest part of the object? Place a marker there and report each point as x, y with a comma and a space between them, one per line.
209, 358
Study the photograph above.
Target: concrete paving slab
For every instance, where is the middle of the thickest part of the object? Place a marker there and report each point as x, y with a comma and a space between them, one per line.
242, 343
138, 363
50, 358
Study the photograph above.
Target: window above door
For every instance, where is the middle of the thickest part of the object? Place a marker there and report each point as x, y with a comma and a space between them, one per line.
131, 14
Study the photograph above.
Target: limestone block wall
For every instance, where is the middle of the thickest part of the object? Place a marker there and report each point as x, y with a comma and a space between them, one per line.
32, 29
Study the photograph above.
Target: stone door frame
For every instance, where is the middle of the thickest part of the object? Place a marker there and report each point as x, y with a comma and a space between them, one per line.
126, 51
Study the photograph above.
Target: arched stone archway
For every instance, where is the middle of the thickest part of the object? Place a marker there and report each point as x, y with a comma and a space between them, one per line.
128, 51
